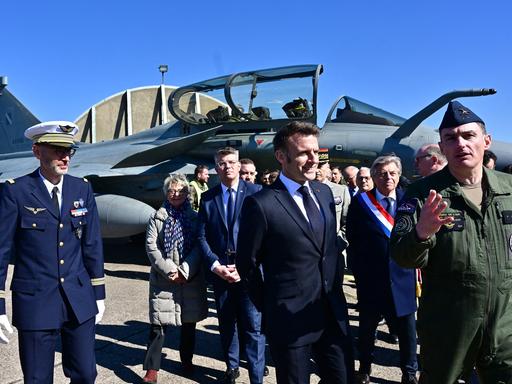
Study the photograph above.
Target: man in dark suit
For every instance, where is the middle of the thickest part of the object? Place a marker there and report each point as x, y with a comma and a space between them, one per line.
289, 229
219, 218
51, 222
383, 288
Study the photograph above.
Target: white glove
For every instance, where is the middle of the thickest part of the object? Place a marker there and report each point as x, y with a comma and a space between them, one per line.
4, 323
101, 309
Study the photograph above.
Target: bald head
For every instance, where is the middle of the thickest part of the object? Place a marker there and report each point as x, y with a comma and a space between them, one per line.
349, 175
429, 159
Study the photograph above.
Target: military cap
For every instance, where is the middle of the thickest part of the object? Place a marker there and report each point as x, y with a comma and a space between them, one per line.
323, 155
58, 133
456, 114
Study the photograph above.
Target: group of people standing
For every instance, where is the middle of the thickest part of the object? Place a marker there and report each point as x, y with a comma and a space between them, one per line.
274, 257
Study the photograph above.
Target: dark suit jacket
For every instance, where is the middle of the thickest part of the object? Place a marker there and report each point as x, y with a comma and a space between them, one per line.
302, 283
213, 227
379, 279
53, 254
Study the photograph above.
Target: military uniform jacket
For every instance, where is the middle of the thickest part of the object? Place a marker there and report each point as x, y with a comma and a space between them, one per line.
53, 257
467, 265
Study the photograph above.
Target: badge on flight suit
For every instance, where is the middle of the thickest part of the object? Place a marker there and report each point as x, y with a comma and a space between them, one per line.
457, 224
78, 233
403, 221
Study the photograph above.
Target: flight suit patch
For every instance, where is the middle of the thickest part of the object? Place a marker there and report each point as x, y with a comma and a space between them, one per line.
506, 217
403, 225
407, 206
457, 224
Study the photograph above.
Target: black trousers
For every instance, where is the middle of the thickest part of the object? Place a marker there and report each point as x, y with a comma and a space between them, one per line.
332, 353
156, 341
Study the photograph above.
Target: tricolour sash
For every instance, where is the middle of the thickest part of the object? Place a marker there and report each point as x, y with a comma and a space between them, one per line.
383, 219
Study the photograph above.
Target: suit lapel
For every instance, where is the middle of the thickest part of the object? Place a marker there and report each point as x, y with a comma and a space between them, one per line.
220, 205
66, 198
240, 195
40, 192
291, 207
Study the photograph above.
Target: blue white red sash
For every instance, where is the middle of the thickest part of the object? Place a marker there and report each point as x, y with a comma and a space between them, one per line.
383, 219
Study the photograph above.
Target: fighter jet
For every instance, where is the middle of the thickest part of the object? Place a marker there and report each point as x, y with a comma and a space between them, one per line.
254, 105
244, 111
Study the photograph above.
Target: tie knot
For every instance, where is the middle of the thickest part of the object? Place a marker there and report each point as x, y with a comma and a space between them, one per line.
304, 191
55, 190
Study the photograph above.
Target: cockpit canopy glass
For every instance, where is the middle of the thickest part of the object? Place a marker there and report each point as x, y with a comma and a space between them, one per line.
350, 110
272, 94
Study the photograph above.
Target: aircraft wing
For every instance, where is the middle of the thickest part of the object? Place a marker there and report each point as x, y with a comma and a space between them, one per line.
165, 151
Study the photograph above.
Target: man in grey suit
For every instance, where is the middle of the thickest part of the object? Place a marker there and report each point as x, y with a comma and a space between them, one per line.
340, 194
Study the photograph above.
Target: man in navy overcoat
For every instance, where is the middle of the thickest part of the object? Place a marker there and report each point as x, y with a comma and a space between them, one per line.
219, 221
289, 259
49, 222
383, 287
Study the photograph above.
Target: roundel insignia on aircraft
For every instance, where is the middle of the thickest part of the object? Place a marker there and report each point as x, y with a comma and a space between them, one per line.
259, 141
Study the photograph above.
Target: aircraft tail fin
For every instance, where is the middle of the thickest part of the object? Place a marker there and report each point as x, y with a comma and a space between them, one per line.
414, 121
15, 118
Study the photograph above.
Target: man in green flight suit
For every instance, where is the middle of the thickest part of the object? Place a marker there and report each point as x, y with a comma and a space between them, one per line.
457, 226
198, 185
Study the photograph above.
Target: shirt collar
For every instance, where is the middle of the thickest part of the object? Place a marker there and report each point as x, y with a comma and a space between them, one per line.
380, 196
291, 185
234, 187
49, 186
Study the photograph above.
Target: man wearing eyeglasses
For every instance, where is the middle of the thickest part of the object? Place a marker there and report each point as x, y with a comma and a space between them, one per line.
219, 221
384, 289
51, 222
429, 159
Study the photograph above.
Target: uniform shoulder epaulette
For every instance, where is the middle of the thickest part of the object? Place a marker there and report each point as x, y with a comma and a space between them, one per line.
11, 181
85, 180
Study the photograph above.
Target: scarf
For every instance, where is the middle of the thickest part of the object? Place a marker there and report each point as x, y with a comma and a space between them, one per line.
177, 230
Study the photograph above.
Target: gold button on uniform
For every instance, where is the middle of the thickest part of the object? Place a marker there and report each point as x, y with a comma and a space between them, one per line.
61, 244
61, 261
34, 225
61, 279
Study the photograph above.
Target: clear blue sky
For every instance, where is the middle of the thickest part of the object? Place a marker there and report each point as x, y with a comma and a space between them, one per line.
62, 57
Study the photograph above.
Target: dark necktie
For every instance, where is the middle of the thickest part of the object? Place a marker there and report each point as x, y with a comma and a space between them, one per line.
230, 212
316, 221
55, 200
387, 205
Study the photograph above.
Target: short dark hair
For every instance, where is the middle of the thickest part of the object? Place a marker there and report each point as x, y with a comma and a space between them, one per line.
200, 168
295, 127
488, 155
246, 161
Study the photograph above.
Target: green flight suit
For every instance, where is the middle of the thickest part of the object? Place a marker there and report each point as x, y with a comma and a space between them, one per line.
196, 189
465, 313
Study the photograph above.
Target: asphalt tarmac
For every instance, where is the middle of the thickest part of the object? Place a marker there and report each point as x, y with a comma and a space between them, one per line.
122, 335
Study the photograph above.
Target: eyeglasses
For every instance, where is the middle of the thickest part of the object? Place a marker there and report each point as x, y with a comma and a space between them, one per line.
384, 175
61, 151
177, 192
418, 158
224, 164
